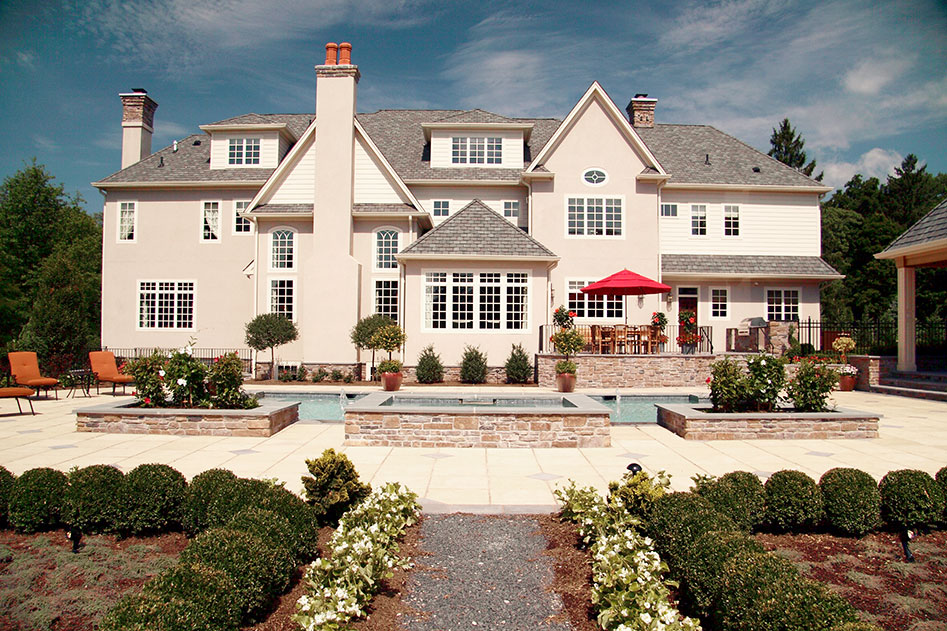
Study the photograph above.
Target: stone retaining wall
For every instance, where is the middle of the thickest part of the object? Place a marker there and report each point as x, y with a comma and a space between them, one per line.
696, 423
871, 368
262, 421
495, 374
357, 370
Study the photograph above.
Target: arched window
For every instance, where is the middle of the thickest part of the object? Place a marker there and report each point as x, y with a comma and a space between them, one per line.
386, 246
283, 248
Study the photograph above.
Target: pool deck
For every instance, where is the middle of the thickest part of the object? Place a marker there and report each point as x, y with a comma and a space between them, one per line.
913, 434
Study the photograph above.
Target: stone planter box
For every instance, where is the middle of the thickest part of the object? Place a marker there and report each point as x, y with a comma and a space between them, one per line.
696, 422
263, 421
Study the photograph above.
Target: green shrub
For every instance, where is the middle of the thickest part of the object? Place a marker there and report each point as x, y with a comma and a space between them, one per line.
258, 571
568, 342
739, 495
809, 389
6, 487
743, 580
270, 528
318, 375
36, 500
702, 573
856, 626
637, 492
154, 499
149, 379
184, 379
94, 498
766, 378
153, 612
793, 501
269, 330
301, 517
940, 478
333, 486
225, 383
213, 498
851, 501
518, 367
429, 368
910, 499
677, 519
389, 366
473, 366
729, 388
335, 375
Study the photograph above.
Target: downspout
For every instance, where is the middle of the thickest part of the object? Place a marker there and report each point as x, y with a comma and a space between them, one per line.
256, 285
105, 195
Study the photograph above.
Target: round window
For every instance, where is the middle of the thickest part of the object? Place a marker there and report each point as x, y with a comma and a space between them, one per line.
595, 176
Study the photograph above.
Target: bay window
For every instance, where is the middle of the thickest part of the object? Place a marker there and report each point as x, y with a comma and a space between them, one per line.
484, 301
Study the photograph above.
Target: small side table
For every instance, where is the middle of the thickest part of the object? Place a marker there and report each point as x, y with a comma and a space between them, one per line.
81, 380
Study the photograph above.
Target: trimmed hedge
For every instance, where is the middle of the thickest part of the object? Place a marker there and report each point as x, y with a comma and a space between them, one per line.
301, 517
154, 499
851, 501
793, 501
910, 499
269, 528
36, 500
677, 519
941, 479
94, 498
213, 498
6, 487
702, 575
739, 495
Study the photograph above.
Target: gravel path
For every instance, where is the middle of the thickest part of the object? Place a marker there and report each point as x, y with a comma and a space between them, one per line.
483, 572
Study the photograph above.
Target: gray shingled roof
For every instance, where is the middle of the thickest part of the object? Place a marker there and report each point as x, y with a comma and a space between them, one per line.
383, 208
477, 230
931, 227
297, 123
475, 116
683, 151
271, 209
727, 264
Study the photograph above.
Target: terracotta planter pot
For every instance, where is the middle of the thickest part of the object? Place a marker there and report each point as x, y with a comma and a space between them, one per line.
391, 381
565, 382
846, 383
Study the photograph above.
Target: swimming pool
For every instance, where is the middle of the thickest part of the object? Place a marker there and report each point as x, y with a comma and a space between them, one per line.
639, 408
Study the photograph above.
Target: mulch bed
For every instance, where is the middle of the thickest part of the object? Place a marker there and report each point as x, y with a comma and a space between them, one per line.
872, 575
572, 571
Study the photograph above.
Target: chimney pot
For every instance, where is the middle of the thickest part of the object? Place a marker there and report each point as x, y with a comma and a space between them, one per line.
331, 51
345, 54
641, 110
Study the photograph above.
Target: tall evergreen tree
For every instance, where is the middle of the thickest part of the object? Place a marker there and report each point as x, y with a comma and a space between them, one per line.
787, 147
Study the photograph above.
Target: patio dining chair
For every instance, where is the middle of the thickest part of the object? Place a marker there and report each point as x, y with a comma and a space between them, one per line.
621, 338
596, 339
105, 369
25, 370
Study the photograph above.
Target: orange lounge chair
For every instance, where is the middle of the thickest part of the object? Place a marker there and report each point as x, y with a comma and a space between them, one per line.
16, 393
104, 369
25, 369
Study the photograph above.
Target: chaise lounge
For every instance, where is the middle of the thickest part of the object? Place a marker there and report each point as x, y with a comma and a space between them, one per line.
25, 369
17, 393
105, 369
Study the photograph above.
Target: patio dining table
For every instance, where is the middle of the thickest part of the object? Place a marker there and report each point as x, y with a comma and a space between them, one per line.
622, 339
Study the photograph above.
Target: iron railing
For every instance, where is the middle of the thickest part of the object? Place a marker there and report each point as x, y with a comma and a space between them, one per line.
206, 355
671, 331
877, 337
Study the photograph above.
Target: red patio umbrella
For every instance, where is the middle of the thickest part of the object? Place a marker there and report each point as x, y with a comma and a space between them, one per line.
625, 283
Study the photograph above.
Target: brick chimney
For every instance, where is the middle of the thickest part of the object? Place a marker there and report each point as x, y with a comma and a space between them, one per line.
641, 111
138, 118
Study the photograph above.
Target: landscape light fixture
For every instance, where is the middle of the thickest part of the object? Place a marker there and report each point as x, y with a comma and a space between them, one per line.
75, 535
634, 467
906, 536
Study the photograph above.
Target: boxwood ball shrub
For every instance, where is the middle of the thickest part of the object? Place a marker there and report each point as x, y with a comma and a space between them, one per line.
745, 579
739, 495
702, 576
268, 527
429, 368
473, 365
333, 486
36, 499
677, 519
301, 517
94, 498
910, 499
213, 498
258, 571
6, 486
153, 612
154, 499
851, 501
793, 501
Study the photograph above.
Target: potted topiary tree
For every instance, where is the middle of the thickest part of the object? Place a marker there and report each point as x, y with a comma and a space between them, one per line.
567, 342
363, 331
843, 345
389, 338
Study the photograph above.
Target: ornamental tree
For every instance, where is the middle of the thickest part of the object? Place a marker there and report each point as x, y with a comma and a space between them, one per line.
365, 328
389, 338
269, 330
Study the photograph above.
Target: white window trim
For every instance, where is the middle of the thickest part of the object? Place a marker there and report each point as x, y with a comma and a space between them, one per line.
585, 196
710, 302
269, 250
585, 319
385, 270
723, 226
690, 221
118, 223
476, 330
220, 217
139, 327
519, 210
243, 152
444, 201
388, 279
677, 210
269, 293
797, 289
477, 165
233, 220
589, 184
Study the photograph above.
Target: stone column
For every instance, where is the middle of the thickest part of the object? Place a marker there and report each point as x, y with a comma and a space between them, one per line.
906, 324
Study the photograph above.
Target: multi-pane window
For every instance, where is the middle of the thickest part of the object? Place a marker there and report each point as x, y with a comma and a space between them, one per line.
669, 210
782, 304
283, 249
244, 151
441, 208
494, 150
731, 221
126, 221
210, 224
458, 154
586, 306
487, 301
699, 219
594, 216
718, 303
476, 150
386, 298
511, 210
386, 246
241, 225
166, 305
282, 297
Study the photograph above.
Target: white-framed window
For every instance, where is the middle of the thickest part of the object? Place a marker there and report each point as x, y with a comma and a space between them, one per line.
595, 177
386, 247
127, 221
494, 151
476, 301
166, 304
458, 153
241, 225
210, 221
386, 298
669, 210
244, 151
731, 221
719, 302
441, 208
594, 216
782, 304
594, 307
699, 220
283, 297
511, 210
476, 150
283, 249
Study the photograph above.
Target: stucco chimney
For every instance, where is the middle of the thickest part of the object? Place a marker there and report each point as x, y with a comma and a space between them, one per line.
138, 119
641, 111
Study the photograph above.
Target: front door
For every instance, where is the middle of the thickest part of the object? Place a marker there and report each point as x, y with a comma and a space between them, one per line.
687, 299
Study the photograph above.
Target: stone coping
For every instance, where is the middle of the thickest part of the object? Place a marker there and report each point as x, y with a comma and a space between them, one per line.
691, 411
265, 408
583, 405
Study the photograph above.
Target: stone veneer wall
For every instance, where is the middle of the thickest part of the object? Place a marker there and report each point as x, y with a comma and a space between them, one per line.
357, 370
871, 368
263, 421
787, 425
495, 374
633, 371
475, 430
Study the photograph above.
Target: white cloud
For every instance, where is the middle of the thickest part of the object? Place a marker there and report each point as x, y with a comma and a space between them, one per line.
45, 144
702, 25
877, 162
871, 75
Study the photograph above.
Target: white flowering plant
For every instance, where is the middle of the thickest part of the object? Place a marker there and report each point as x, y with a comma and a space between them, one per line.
848, 370
364, 551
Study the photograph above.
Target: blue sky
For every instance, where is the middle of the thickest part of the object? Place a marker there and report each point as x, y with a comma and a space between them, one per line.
864, 82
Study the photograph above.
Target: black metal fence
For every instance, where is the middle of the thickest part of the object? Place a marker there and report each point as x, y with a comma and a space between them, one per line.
878, 337
670, 345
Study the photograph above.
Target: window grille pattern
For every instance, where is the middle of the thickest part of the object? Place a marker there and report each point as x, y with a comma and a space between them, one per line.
458, 153
699, 220
441, 208
476, 150
782, 304
435, 300
386, 298
494, 150
511, 210
283, 249
243, 151
210, 227
594, 176
594, 216
126, 221
517, 291
718, 303
586, 306
241, 225
282, 298
166, 305
731, 221
488, 301
669, 210
462, 300
386, 246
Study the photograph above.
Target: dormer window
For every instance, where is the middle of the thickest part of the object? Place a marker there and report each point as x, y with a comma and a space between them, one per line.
244, 151
476, 150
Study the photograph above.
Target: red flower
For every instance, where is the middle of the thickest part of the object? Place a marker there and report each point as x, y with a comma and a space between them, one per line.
572, 314
147, 400
708, 379
692, 320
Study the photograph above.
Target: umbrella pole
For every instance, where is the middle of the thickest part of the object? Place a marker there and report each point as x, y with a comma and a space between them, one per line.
625, 298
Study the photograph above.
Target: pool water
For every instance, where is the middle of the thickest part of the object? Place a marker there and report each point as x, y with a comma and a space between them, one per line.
317, 407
